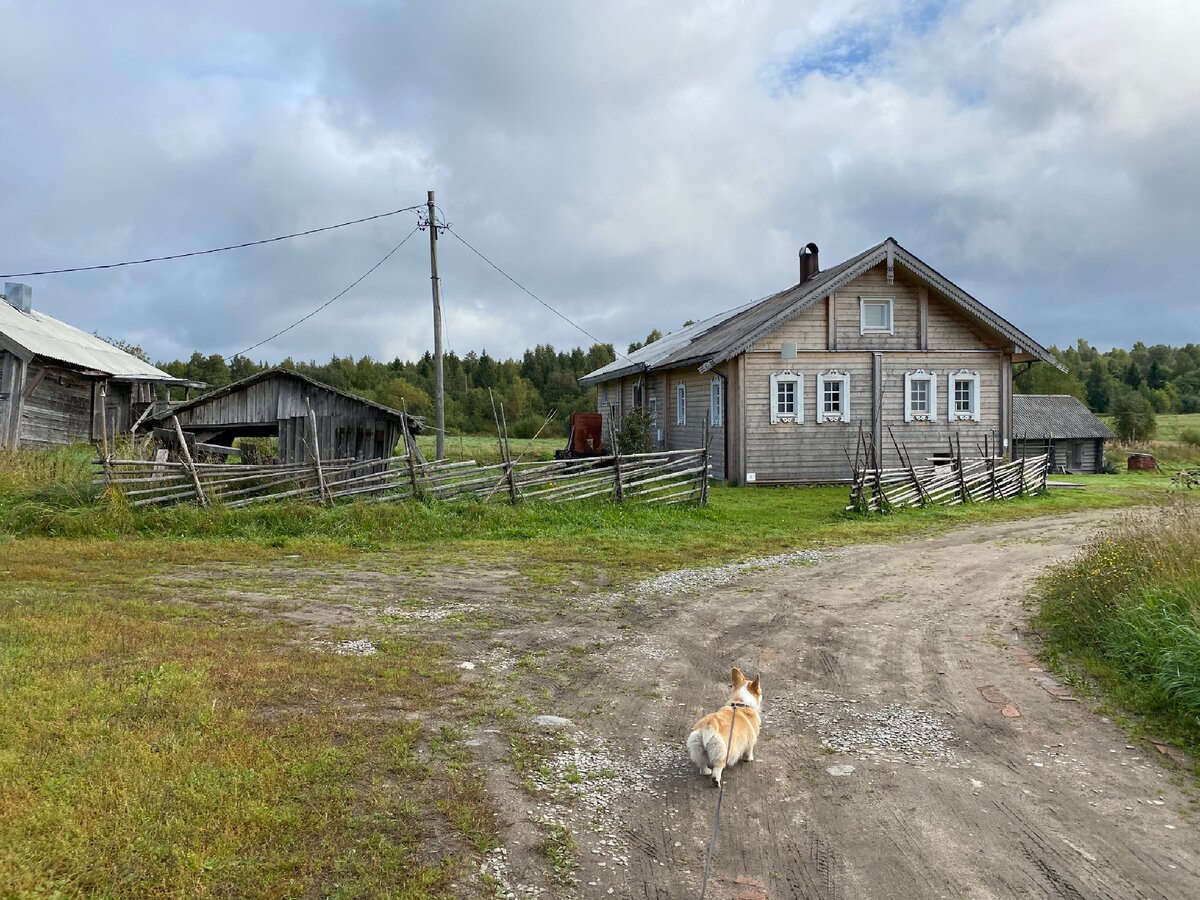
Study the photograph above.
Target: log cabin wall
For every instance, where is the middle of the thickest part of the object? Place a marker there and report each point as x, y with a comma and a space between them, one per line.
56, 406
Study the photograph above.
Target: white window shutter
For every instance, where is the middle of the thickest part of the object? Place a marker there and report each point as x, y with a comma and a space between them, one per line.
908, 396
933, 398
800, 398
774, 404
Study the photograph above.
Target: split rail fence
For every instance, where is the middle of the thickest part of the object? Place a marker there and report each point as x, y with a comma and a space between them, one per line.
666, 478
953, 480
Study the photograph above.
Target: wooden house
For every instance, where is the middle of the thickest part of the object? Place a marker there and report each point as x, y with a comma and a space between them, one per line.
1060, 421
785, 384
59, 385
275, 403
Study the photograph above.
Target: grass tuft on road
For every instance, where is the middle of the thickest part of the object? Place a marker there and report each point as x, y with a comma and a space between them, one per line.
1126, 614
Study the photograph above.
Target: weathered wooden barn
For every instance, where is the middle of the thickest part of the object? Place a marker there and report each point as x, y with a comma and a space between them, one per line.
1059, 420
275, 403
59, 385
785, 384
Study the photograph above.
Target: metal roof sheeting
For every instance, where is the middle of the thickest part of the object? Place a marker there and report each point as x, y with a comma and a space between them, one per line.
1059, 416
44, 335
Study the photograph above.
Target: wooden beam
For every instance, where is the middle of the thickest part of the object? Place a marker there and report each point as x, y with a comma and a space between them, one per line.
16, 400
831, 321
1006, 389
743, 466
34, 382
922, 318
877, 406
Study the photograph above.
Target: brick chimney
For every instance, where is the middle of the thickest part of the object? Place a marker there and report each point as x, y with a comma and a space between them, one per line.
19, 296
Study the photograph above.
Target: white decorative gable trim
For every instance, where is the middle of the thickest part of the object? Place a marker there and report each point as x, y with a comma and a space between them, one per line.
834, 415
953, 414
929, 414
797, 415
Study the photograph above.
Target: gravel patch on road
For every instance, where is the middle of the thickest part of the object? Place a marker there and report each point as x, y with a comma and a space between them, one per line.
700, 579
587, 787
895, 732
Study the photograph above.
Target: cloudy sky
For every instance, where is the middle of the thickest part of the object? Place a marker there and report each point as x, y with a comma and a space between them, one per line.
634, 164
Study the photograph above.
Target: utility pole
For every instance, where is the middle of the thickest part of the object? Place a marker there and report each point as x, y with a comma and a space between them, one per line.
439, 390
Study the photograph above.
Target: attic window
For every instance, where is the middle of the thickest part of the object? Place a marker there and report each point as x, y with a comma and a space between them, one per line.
875, 315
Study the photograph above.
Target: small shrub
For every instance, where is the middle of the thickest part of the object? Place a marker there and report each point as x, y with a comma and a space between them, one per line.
1190, 436
634, 437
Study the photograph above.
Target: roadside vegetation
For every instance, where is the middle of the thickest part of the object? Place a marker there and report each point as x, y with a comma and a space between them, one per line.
1125, 616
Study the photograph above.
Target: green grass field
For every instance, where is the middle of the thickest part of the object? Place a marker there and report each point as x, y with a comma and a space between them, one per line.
485, 449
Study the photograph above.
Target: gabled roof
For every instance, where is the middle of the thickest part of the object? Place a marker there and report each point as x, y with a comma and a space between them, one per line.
1059, 416
29, 334
723, 337
415, 423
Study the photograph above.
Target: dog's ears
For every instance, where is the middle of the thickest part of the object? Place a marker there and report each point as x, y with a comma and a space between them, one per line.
755, 687
737, 678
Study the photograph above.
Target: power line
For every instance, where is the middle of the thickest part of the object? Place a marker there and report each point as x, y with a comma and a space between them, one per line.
282, 237
337, 296
532, 294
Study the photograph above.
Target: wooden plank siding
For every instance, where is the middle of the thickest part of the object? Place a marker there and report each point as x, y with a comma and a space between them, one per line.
345, 427
1088, 452
59, 408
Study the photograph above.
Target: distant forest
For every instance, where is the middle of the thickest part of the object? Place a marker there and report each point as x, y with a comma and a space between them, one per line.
541, 380
1164, 379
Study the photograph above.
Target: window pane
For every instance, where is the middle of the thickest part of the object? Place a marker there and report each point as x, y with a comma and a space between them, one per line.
833, 396
875, 315
962, 396
919, 396
785, 398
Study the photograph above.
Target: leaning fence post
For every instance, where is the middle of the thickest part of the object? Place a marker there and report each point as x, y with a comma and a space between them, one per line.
508, 460
322, 489
410, 446
962, 478
186, 456
618, 493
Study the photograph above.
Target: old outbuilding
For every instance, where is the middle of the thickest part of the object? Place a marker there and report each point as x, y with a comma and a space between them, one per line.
277, 402
881, 344
60, 385
1062, 422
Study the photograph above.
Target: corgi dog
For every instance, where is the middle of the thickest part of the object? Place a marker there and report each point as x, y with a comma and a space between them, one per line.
707, 742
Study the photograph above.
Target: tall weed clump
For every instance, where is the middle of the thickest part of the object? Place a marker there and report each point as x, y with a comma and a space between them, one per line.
1128, 612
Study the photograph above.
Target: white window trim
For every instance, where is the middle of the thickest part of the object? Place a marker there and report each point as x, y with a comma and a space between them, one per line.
681, 404
793, 418
833, 375
864, 328
920, 375
952, 415
652, 407
716, 411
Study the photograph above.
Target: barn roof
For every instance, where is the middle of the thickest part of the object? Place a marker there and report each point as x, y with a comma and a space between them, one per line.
1059, 416
415, 423
728, 334
33, 333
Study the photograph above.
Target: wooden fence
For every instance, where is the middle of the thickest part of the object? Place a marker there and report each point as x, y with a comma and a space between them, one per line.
959, 480
668, 478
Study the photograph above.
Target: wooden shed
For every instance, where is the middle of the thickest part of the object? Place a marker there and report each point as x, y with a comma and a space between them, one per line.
59, 385
1076, 437
275, 403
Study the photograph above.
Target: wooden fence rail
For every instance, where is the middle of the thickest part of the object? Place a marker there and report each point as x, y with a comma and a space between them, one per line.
668, 477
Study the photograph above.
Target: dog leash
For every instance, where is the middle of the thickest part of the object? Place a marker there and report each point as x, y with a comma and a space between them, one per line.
712, 838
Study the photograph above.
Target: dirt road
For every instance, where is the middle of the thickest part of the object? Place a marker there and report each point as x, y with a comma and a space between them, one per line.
912, 748
908, 659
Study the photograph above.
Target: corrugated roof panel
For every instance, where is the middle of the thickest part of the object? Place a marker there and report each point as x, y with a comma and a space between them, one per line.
46, 336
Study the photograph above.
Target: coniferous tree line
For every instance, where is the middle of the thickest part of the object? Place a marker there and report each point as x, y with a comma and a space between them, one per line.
1130, 385
543, 379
